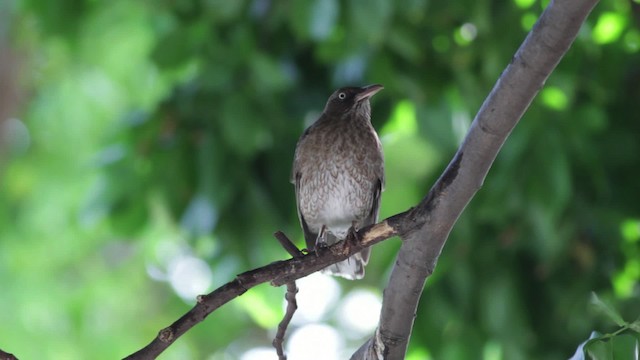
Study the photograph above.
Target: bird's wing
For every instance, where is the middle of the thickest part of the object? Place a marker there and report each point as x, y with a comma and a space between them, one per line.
375, 204
309, 236
296, 168
372, 218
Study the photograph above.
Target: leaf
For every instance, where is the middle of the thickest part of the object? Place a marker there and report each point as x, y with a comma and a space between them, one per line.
598, 350
607, 310
610, 348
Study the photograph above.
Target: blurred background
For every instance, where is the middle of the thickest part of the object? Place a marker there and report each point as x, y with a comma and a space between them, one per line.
146, 148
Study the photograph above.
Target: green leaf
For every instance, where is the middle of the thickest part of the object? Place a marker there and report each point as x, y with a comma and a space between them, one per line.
606, 309
612, 348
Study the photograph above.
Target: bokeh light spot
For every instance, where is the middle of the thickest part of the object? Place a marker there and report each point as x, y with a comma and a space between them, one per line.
609, 27
317, 295
359, 312
554, 98
189, 277
528, 20
315, 342
524, 4
403, 120
630, 230
465, 34
260, 353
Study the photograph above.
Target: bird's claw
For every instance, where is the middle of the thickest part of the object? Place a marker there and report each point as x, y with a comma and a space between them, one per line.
321, 240
352, 238
352, 234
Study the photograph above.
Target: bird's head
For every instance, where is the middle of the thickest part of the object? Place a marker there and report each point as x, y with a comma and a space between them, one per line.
348, 100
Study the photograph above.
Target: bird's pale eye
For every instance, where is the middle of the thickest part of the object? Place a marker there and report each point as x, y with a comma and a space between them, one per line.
342, 96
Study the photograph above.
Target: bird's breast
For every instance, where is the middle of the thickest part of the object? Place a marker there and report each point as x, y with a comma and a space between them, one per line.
334, 195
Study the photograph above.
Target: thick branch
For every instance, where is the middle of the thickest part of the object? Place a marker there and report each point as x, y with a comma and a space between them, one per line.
541, 51
7, 356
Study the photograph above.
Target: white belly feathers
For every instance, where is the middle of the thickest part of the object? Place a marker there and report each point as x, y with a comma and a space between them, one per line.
336, 204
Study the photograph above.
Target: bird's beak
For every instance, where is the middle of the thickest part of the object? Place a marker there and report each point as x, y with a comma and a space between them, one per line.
368, 91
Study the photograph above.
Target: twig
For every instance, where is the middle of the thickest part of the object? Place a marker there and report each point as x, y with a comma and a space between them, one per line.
288, 245
292, 306
290, 296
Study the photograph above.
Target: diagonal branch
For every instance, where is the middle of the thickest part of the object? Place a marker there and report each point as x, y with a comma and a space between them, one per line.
541, 51
7, 356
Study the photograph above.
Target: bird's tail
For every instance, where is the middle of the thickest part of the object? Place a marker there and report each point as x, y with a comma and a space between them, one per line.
352, 268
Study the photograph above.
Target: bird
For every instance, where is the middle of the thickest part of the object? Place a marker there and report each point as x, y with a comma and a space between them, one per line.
338, 173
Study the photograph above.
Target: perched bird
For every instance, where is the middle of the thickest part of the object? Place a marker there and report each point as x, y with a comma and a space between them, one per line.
338, 173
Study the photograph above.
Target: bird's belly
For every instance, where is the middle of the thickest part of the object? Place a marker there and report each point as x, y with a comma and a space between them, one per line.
336, 202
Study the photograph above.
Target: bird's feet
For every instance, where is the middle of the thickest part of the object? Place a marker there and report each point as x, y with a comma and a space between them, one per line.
321, 240
352, 236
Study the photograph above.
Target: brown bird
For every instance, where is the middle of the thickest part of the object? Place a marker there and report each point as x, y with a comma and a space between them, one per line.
338, 173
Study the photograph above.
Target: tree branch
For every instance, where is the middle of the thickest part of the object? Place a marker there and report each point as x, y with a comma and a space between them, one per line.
292, 306
541, 51
290, 296
278, 273
7, 356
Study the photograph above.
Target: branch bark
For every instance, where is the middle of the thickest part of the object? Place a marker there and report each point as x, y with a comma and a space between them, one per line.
7, 356
534, 61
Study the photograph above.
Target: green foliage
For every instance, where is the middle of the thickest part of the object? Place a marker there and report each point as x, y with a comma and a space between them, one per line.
620, 344
162, 134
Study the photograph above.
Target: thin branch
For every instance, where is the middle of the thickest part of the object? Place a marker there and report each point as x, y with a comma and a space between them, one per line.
288, 245
541, 51
278, 274
290, 296
292, 306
